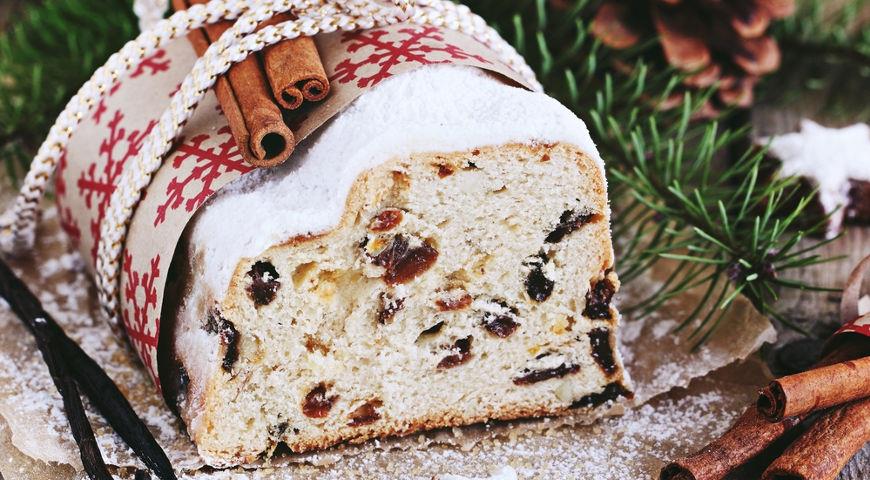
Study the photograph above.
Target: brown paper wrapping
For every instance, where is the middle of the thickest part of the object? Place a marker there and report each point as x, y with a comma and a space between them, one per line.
206, 157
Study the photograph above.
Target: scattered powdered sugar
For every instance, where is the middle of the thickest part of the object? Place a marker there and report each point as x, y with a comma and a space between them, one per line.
828, 158
504, 473
64, 263
403, 115
629, 331
664, 327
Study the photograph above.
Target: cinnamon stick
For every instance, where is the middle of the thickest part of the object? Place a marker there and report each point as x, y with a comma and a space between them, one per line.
294, 69
823, 450
815, 390
748, 437
254, 119
751, 433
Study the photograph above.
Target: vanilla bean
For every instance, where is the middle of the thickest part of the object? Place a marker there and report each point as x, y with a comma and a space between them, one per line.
92, 460
74, 364
115, 408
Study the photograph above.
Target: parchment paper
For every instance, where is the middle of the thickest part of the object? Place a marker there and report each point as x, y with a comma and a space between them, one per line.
631, 446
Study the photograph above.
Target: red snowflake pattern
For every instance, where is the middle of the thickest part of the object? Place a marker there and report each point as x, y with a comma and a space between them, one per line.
417, 47
153, 63
97, 187
136, 321
210, 164
67, 221
101, 107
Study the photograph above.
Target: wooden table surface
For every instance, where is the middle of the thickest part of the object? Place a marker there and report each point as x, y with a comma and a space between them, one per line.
815, 311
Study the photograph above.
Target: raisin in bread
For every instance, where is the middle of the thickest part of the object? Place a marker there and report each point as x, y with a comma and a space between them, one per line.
439, 255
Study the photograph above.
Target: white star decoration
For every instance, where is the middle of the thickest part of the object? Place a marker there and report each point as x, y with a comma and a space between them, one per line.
828, 158
149, 12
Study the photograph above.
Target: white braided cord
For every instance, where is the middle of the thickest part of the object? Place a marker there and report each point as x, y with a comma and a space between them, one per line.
312, 17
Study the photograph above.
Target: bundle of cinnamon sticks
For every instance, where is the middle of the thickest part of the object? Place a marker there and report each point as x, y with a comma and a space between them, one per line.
254, 91
832, 399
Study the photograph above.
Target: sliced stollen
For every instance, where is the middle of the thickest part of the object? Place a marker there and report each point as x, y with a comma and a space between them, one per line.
438, 255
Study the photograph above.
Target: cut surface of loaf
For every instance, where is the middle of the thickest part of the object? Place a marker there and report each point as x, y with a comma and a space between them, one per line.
456, 286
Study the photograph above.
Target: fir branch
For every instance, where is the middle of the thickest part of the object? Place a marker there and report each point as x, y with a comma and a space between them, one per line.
49, 50
688, 191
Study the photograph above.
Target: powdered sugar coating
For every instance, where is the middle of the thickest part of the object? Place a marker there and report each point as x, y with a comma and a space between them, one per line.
433, 109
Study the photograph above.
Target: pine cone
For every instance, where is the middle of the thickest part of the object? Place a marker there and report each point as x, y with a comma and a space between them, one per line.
714, 40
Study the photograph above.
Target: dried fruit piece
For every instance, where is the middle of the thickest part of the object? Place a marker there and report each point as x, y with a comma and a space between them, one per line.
462, 347
216, 324
444, 170
212, 322
538, 286
430, 331
389, 307
264, 283
277, 431
602, 351
386, 220
229, 339
501, 324
404, 263
366, 413
317, 404
546, 374
563, 325
610, 393
569, 221
453, 300
598, 300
